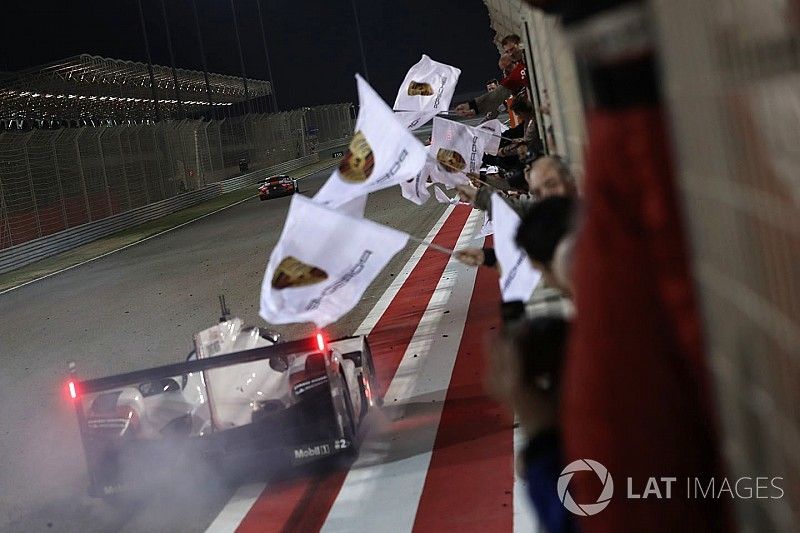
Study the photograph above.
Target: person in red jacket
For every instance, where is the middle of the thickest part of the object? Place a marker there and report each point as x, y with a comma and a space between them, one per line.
635, 393
515, 80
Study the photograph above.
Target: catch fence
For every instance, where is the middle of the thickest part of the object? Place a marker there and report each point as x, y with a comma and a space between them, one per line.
52, 180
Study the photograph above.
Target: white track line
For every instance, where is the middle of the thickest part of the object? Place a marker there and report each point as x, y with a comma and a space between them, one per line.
237, 508
242, 500
391, 291
383, 488
76, 265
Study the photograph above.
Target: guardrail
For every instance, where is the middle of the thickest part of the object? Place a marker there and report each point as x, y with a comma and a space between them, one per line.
23, 254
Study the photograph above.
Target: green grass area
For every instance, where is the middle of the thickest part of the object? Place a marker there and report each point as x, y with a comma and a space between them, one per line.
132, 235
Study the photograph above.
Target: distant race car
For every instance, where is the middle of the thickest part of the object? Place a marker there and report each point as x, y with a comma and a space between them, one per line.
241, 395
275, 186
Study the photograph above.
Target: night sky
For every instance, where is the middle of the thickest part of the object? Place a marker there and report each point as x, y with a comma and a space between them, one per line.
312, 43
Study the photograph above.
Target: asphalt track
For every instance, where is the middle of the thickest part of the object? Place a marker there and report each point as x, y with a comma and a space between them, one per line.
139, 307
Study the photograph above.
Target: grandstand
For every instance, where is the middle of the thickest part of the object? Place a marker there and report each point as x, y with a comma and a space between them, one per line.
88, 89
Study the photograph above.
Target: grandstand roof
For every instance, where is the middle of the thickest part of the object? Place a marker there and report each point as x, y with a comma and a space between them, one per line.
87, 86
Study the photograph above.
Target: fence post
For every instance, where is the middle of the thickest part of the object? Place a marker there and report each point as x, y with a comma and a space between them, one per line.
83, 176
158, 162
124, 169
33, 189
58, 180
105, 175
4, 212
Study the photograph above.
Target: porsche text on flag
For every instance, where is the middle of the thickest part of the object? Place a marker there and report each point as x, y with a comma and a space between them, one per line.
381, 153
323, 263
517, 277
426, 90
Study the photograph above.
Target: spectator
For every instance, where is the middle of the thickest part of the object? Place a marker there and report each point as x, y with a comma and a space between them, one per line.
515, 80
530, 140
635, 391
491, 85
546, 177
511, 43
541, 230
525, 375
544, 225
550, 176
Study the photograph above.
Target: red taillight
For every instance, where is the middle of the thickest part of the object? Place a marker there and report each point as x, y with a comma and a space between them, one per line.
321, 342
73, 390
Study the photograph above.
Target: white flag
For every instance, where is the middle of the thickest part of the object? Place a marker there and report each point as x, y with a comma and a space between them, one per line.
492, 131
415, 119
458, 149
426, 90
517, 277
416, 188
323, 263
442, 197
487, 228
382, 153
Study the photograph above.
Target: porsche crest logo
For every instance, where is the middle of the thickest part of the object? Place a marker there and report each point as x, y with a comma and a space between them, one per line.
451, 160
292, 272
418, 88
359, 161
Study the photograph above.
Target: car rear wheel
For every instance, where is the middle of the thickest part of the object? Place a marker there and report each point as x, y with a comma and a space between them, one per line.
369, 376
349, 420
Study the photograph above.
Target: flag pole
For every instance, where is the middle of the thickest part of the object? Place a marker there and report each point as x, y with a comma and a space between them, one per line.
446, 251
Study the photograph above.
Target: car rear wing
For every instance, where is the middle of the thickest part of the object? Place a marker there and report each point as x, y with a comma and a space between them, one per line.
316, 343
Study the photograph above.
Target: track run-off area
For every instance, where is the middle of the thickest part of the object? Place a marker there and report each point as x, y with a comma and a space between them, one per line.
437, 457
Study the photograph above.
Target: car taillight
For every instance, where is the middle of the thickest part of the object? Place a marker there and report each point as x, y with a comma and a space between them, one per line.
73, 390
321, 345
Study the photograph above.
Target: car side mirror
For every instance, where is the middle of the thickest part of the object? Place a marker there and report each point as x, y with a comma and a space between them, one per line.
273, 336
160, 386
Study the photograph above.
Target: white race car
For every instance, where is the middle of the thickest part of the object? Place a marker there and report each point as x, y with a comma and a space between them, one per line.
241, 394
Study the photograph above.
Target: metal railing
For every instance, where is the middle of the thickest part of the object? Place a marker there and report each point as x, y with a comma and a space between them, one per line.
53, 180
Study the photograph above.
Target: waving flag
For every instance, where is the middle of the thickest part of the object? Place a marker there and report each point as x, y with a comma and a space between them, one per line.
458, 150
491, 130
487, 228
323, 263
416, 188
517, 277
442, 197
426, 91
382, 153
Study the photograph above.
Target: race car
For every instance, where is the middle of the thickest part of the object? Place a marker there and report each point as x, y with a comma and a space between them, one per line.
275, 186
240, 397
